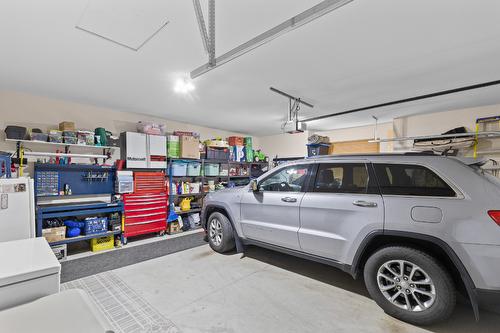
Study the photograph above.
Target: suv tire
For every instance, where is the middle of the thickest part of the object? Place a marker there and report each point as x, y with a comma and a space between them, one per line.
420, 293
220, 233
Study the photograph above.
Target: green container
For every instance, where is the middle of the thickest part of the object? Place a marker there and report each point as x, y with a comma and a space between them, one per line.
248, 141
249, 153
101, 133
173, 146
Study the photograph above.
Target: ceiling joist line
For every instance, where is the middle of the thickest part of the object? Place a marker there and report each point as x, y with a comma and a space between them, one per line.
207, 38
201, 25
407, 100
324, 7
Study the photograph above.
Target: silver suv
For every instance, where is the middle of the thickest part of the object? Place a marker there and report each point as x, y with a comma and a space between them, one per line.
418, 227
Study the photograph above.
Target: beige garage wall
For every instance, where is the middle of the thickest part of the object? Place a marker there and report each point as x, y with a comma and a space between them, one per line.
23, 109
437, 123
292, 145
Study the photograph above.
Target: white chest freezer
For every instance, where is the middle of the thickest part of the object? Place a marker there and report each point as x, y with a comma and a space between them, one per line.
17, 209
28, 270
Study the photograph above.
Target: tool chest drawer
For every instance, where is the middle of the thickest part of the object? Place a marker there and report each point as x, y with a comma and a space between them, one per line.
145, 213
149, 182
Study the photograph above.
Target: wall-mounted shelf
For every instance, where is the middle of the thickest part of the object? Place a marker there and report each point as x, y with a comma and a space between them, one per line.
490, 134
56, 144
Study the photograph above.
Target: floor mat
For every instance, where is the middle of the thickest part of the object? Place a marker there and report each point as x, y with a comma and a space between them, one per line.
128, 255
124, 308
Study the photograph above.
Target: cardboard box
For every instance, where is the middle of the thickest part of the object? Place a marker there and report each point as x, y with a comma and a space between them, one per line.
239, 153
236, 141
54, 234
60, 251
67, 126
190, 147
173, 228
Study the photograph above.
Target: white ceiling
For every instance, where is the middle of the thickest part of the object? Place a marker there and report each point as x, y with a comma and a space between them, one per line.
364, 53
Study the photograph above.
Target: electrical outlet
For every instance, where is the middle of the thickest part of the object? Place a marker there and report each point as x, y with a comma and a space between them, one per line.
4, 199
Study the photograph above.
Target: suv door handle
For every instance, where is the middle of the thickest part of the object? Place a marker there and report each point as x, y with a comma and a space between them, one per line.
288, 199
362, 203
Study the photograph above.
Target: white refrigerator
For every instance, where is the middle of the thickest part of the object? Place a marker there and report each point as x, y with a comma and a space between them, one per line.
17, 209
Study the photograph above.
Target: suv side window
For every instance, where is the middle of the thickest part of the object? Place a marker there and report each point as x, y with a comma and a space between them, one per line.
344, 178
289, 179
414, 180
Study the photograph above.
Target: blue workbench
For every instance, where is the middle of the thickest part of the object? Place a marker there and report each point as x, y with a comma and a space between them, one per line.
67, 210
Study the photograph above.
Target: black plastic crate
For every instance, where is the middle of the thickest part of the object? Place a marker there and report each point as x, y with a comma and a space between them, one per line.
317, 149
217, 153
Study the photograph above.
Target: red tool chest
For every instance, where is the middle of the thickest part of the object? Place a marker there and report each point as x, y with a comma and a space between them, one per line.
146, 209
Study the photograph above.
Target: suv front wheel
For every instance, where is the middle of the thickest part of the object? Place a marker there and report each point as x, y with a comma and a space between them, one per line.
410, 285
220, 233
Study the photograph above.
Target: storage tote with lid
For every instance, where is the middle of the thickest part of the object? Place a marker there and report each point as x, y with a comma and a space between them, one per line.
211, 169
179, 169
194, 169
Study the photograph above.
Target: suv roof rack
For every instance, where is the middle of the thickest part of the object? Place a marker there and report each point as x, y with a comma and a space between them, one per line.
409, 153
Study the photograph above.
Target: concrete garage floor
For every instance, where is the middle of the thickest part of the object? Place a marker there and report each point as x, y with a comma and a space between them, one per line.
202, 291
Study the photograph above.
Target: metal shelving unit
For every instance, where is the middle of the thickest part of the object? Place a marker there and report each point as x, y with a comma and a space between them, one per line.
82, 238
202, 178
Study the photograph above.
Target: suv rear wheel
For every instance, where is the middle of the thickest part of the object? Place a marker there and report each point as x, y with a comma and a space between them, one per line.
410, 285
220, 233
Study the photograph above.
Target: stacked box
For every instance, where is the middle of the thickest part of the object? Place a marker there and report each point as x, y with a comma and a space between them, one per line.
239, 153
173, 146
249, 153
248, 149
189, 147
235, 141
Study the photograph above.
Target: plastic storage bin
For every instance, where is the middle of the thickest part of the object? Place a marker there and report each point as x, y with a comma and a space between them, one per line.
224, 170
211, 169
39, 137
70, 140
316, 149
16, 132
103, 243
179, 169
86, 138
217, 153
194, 169
55, 136
95, 225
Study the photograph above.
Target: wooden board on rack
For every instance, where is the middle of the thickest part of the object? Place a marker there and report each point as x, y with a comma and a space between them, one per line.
354, 147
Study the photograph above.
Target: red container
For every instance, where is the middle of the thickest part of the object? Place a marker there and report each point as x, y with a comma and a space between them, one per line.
236, 141
119, 164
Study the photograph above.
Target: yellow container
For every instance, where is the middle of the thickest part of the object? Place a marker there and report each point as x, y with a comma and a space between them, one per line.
103, 243
186, 203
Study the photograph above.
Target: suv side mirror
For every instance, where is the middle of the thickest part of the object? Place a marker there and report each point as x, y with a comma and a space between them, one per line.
254, 186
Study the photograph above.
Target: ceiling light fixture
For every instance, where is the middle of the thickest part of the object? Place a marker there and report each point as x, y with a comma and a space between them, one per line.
183, 86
